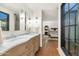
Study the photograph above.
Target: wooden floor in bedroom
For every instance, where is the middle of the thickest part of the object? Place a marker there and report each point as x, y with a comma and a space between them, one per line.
49, 50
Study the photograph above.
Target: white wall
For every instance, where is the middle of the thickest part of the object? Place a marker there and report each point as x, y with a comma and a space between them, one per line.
51, 23
34, 24
59, 32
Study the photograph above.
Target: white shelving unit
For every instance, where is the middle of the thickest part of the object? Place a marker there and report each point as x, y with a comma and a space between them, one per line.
54, 33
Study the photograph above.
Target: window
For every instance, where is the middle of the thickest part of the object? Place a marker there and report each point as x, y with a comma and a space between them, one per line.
66, 8
4, 20
69, 35
72, 5
66, 37
67, 19
72, 33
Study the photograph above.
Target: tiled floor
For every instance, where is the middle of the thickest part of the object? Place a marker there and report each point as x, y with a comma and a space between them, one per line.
50, 50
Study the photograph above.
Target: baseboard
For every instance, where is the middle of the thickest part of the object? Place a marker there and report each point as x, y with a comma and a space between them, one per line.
61, 53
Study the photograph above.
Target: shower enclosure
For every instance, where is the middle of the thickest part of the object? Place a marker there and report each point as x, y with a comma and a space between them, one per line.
70, 28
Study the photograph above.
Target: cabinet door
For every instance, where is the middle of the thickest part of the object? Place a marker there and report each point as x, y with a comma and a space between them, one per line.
28, 48
16, 51
36, 43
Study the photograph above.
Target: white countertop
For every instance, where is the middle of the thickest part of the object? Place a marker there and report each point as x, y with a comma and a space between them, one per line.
10, 43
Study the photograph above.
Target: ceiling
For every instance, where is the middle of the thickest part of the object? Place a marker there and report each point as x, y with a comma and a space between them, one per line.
50, 10
42, 6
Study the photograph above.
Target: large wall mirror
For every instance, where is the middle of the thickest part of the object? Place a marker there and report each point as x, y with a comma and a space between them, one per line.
4, 21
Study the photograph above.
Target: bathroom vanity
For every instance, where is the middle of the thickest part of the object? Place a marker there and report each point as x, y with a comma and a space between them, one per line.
24, 45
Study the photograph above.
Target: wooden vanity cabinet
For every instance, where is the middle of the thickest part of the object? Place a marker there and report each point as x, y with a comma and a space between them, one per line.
28, 48
15, 51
